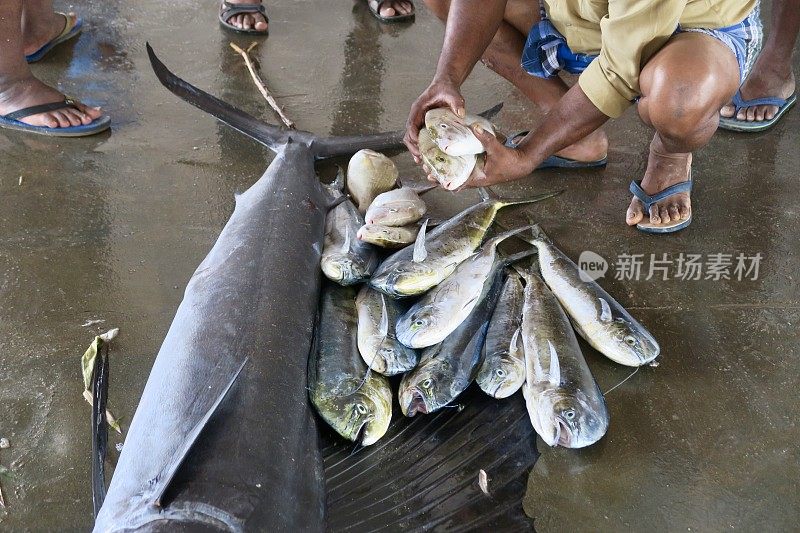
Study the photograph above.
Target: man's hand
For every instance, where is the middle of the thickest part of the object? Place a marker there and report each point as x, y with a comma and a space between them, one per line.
438, 94
502, 163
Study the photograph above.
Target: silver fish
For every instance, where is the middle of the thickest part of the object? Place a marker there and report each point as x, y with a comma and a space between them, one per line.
597, 317
444, 248
346, 259
452, 134
503, 370
440, 311
446, 369
450, 171
388, 236
398, 207
369, 174
564, 402
354, 402
377, 343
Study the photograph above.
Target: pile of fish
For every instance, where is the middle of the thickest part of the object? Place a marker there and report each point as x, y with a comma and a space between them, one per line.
451, 309
449, 149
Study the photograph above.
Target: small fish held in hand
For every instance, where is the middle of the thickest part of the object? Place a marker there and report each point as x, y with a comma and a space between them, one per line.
453, 134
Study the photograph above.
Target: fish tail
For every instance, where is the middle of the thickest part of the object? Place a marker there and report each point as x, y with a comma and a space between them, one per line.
538, 233
511, 259
497, 239
270, 136
100, 374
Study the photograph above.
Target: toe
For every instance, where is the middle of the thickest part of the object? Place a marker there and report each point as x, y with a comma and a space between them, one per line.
770, 112
751, 114
727, 111
261, 23
72, 116
674, 212
61, 119
654, 216
387, 10
634, 214
760, 113
663, 212
741, 114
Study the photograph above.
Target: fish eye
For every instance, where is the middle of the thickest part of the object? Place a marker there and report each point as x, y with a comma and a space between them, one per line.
427, 383
393, 210
361, 408
630, 340
500, 373
440, 159
443, 126
570, 414
419, 323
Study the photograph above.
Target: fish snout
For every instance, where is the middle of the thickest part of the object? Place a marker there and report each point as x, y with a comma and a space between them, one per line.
413, 402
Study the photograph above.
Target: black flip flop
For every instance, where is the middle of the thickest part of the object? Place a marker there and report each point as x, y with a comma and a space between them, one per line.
228, 10
376, 12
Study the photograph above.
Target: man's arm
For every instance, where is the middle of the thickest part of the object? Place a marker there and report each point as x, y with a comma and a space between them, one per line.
471, 26
572, 119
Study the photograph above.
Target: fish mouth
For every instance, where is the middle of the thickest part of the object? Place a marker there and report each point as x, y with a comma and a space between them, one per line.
416, 404
563, 433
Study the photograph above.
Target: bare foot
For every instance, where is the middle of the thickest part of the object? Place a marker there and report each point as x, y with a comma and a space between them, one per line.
248, 21
591, 148
663, 170
769, 77
30, 92
392, 8
42, 29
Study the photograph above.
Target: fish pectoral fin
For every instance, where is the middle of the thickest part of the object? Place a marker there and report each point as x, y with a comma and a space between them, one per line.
420, 252
164, 478
384, 327
346, 245
554, 375
605, 311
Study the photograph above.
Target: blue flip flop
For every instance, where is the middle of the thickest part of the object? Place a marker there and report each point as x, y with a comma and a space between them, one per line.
734, 124
12, 121
648, 201
72, 27
555, 161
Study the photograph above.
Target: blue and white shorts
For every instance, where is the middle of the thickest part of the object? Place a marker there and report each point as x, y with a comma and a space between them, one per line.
546, 51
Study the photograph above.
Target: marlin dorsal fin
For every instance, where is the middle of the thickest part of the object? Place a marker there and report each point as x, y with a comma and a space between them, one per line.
605, 311
420, 252
554, 376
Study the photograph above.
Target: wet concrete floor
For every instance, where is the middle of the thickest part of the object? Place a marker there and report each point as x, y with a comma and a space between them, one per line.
111, 228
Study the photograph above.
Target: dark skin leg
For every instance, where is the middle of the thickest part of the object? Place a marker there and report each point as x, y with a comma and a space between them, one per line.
40, 24
682, 87
503, 57
772, 73
18, 87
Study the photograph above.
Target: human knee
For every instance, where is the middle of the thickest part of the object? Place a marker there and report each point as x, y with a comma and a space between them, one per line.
679, 106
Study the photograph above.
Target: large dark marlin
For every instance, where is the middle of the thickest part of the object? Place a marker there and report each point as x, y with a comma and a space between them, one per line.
224, 438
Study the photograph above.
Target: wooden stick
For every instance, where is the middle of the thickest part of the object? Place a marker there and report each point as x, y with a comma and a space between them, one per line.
262, 87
